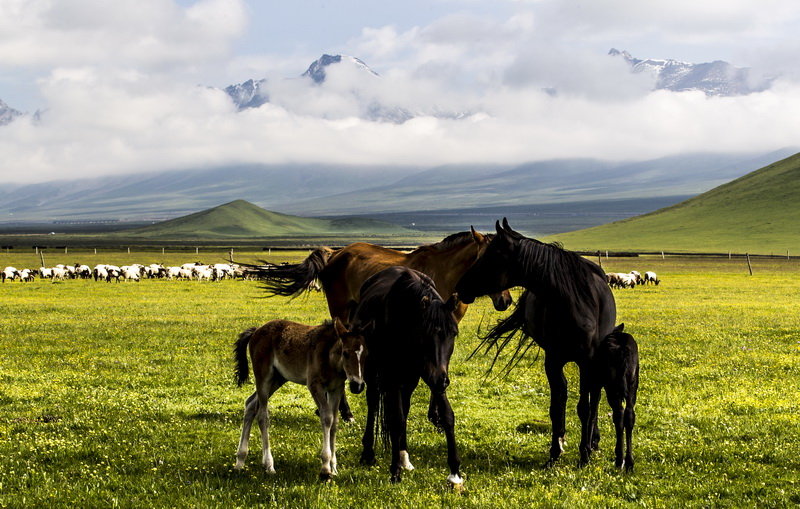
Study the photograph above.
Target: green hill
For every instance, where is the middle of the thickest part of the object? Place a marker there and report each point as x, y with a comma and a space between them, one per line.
756, 213
241, 219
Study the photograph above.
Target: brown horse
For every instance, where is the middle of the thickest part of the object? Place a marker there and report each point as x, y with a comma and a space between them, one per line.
342, 272
322, 358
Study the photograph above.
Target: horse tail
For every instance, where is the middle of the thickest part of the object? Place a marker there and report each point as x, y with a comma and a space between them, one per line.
289, 280
242, 370
381, 424
504, 333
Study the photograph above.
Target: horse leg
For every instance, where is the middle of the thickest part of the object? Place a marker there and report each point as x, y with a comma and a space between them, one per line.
405, 462
336, 395
558, 406
618, 417
629, 419
368, 440
267, 388
594, 401
584, 414
250, 410
449, 423
327, 415
344, 410
396, 423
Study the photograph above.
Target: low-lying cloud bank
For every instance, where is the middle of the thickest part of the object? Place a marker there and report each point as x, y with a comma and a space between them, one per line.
514, 94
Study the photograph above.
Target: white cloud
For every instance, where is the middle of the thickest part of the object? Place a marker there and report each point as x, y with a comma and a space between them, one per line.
126, 98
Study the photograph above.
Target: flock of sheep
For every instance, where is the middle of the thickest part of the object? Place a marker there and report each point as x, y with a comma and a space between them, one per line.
631, 279
135, 272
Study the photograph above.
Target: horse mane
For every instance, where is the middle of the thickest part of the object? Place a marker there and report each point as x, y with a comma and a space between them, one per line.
506, 332
420, 287
453, 240
556, 271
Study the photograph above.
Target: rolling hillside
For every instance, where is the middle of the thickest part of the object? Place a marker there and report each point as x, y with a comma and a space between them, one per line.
242, 219
756, 213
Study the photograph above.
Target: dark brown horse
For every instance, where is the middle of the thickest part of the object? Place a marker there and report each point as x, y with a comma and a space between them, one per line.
567, 309
410, 335
342, 272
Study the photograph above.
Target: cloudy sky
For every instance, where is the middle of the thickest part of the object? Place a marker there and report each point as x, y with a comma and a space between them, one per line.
134, 86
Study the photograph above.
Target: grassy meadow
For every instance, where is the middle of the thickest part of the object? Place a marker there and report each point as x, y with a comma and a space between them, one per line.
123, 395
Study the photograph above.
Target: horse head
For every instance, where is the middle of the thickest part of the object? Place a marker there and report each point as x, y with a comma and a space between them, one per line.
502, 299
492, 272
354, 354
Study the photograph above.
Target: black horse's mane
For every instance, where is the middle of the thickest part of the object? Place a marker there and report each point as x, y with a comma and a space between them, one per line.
417, 287
557, 271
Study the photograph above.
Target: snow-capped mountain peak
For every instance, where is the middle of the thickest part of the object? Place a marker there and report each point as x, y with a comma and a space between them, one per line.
316, 71
7, 113
716, 78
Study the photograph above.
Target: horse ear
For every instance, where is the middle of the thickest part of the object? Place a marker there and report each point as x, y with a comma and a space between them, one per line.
619, 328
341, 330
505, 225
500, 231
475, 235
366, 328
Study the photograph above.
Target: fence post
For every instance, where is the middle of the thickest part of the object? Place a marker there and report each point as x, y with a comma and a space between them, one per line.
95, 250
787, 254
729, 254
662, 255
162, 250
129, 250
749, 267
65, 249
599, 259
231, 255
41, 257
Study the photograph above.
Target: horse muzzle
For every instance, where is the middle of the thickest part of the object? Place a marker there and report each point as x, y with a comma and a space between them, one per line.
356, 387
502, 300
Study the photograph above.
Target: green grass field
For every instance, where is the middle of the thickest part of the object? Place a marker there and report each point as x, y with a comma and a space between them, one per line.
756, 213
123, 395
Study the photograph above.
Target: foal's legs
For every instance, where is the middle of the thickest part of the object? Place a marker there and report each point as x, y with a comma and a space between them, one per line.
586, 404
558, 406
327, 403
265, 390
250, 410
629, 419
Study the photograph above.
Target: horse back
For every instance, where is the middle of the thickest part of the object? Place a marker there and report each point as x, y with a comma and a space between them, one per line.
285, 346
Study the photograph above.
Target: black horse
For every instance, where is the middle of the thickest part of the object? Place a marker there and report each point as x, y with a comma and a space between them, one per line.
616, 368
410, 334
567, 309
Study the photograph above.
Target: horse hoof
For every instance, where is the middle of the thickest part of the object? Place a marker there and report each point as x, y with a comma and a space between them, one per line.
348, 419
550, 463
395, 479
367, 461
326, 476
456, 483
629, 467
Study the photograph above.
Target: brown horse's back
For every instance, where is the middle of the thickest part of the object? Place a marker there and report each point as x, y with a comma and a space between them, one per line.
348, 268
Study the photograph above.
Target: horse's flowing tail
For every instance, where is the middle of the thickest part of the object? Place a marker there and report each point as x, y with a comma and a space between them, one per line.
292, 279
242, 370
506, 331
